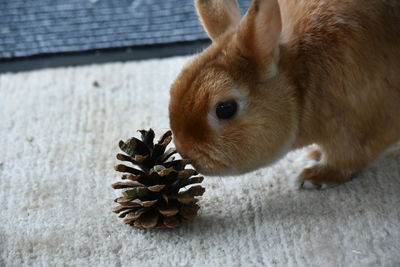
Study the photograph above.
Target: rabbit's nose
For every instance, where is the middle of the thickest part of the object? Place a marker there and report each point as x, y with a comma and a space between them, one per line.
184, 156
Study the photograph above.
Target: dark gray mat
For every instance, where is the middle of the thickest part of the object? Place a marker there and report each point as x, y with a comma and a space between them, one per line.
35, 27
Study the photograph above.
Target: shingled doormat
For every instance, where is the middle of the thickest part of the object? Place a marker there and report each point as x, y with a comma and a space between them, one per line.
29, 28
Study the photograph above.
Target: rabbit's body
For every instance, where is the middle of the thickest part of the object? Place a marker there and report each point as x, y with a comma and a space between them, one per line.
329, 74
347, 68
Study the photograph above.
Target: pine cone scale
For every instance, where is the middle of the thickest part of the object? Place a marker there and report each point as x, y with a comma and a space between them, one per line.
123, 168
156, 188
195, 180
171, 222
120, 185
148, 219
189, 212
164, 136
134, 147
134, 215
126, 212
131, 177
168, 154
124, 201
135, 192
148, 137
169, 211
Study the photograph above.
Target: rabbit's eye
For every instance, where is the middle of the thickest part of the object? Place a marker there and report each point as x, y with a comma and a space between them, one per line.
226, 110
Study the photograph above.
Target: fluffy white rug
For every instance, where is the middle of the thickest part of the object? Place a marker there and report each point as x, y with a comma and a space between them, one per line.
58, 139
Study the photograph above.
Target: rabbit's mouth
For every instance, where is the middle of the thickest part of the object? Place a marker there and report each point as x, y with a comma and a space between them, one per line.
208, 163
203, 160
210, 169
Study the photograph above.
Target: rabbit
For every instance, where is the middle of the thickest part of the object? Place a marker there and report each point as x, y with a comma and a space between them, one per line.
288, 74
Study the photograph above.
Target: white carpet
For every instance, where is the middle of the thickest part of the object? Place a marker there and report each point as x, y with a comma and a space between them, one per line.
58, 140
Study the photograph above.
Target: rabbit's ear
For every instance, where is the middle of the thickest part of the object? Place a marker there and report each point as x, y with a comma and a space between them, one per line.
217, 16
259, 33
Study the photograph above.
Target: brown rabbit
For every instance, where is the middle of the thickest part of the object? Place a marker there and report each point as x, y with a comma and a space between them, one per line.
291, 73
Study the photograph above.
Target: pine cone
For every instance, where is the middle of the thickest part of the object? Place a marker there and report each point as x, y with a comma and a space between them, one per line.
154, 196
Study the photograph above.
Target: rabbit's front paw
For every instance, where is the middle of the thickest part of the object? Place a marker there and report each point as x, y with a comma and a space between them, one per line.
306, 160
315, 177
312, 173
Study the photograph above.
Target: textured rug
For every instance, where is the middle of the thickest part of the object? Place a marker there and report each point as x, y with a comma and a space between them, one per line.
30, 28
58, 138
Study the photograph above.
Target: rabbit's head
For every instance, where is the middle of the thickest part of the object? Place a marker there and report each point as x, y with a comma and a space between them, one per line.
231, 108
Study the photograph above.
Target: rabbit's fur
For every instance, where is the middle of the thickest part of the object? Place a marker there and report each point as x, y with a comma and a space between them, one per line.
302, 72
